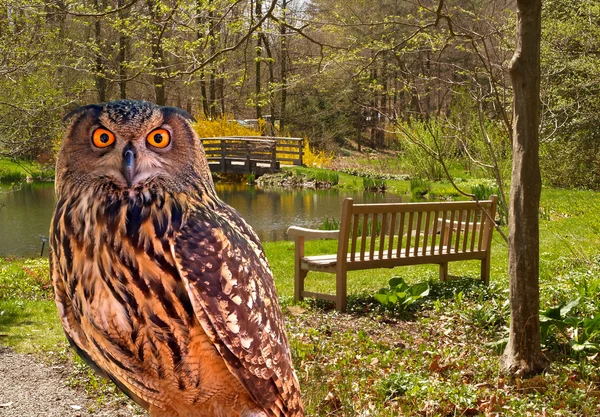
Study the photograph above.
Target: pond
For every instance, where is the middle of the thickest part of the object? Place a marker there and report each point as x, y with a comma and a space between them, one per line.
25, 214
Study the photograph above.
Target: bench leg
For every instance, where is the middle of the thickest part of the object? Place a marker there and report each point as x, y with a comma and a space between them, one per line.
485, 271
443, 271
340, 290
299, 276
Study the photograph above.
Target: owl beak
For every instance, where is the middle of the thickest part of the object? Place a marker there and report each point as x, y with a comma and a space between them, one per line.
129, 163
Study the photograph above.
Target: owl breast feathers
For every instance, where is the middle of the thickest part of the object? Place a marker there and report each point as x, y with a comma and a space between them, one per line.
160, 286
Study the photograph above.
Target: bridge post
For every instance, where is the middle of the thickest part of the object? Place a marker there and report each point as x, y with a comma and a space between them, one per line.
223, 168
274, 157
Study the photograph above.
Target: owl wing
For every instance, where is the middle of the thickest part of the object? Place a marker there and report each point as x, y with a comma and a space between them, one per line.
231, 287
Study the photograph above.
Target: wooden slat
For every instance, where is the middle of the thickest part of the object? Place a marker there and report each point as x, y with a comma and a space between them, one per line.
468, 227
443, 229
475, 218
458, 230
400, 234
434, 233
418, 231
413, 207
409, 232
392, 230
450, 231
426, 232
484, 220
365, 226
382, 234
354, 234
373, 235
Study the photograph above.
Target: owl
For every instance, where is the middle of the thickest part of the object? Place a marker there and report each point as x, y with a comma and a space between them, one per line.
161, 286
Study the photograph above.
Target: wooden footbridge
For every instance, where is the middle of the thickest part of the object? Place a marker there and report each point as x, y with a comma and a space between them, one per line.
251, 154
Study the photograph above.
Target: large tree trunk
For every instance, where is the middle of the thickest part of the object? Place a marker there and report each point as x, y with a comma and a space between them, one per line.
523, 354
282, 114
100, 76
257, 88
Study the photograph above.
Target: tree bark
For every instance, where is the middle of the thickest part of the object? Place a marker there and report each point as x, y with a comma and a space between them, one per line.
122, 56
100, 76
523, 353
283, 69
258, 15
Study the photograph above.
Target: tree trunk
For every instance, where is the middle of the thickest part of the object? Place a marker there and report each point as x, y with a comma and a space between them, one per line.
258, 15
157, 53
523, 353
100, 76
122, 55
283, 70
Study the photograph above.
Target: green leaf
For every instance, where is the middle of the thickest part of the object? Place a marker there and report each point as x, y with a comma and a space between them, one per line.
394, 282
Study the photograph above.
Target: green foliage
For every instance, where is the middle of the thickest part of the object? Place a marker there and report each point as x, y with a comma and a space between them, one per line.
419, 188
330, 223
419, 140
374, 184
570, 146
325, 177
582, 333
251, 178
400, 295
484, 191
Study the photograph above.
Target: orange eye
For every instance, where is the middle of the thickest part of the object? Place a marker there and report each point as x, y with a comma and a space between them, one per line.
159, 138
103, 138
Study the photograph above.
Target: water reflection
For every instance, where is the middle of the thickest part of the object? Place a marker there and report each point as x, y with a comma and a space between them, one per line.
271, 211
25, 214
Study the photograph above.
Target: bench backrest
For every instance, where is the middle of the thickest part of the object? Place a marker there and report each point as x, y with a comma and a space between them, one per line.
387, 231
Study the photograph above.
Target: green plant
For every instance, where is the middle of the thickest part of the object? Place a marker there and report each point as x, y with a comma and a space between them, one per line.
419, 187
582, 333
9, 176
329, 223
400, 295
374, 184
251, 178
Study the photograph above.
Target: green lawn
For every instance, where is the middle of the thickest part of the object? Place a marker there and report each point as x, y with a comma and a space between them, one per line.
437, 359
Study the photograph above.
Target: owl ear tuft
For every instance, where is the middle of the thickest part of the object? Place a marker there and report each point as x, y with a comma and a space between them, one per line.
176, 110
96, 108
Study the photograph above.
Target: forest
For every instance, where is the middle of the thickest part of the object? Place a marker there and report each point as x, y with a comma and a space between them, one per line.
353, 73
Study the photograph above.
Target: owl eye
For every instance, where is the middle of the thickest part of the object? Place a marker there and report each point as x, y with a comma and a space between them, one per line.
103, 138
159, 138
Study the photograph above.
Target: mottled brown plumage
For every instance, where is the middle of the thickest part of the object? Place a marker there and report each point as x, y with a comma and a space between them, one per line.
160, 285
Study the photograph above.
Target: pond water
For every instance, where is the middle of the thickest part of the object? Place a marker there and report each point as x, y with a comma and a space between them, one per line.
25, 214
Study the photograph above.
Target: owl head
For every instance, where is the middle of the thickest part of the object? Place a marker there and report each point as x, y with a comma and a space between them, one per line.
129, 144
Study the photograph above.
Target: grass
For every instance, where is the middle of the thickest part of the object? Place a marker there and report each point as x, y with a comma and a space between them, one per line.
436, 359
15, 171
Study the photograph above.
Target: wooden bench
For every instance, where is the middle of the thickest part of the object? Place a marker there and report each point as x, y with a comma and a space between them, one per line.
390, 235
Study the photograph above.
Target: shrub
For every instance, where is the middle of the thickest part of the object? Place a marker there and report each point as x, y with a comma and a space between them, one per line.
419, 187
400, 295
224, 126
374, 184
315, 159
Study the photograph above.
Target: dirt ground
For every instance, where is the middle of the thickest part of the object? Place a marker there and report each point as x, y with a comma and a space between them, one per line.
30, 388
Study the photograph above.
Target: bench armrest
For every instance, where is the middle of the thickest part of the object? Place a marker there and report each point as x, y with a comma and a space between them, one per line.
295, 231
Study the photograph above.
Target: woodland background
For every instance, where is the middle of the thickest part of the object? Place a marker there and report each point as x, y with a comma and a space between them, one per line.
340, 73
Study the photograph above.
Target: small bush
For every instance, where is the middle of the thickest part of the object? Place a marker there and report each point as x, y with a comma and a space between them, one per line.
224, 126
419, 188
315, 159
400, 295
332, 178
9, 176
374, 184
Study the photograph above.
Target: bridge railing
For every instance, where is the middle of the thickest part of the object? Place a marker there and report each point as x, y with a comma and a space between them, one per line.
256, 154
